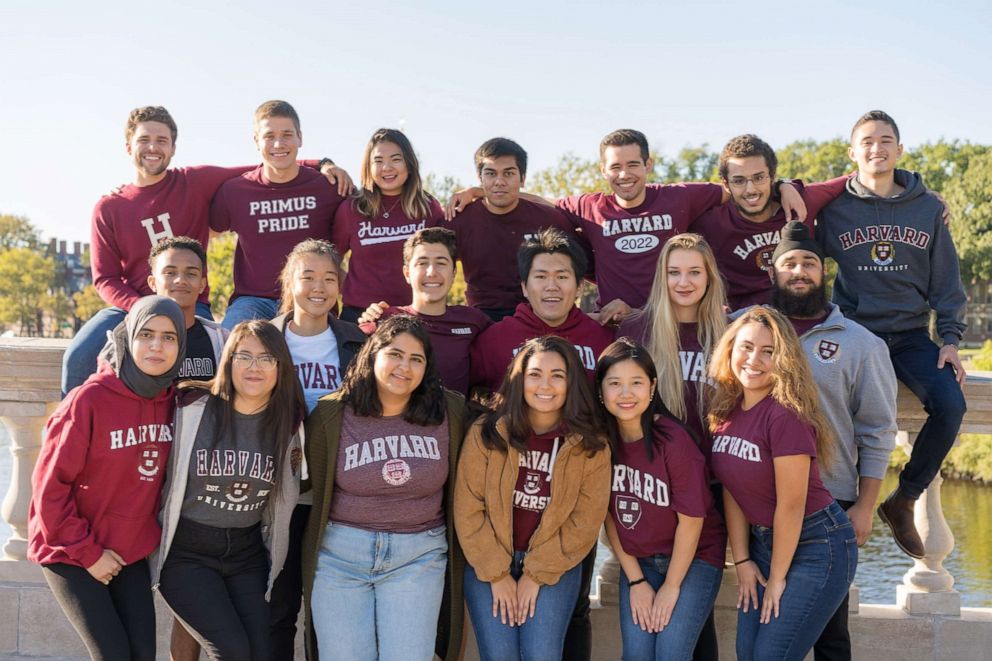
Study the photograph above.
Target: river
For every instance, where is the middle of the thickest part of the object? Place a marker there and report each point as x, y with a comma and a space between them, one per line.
967, 506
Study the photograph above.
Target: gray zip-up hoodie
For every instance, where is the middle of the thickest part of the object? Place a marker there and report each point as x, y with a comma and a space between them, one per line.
895, 257
275, 517
857, 388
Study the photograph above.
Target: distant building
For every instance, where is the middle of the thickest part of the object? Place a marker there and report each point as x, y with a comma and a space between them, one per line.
978, 314
72, 271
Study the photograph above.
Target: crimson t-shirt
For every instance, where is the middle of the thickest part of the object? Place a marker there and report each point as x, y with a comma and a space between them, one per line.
744, 248
375, 268
626, 242
744, 447
270, 219
488, 244
648, 495
452, 335
802, 326
532, 491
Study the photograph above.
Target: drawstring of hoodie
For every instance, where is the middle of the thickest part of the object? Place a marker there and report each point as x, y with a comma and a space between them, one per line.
554, 455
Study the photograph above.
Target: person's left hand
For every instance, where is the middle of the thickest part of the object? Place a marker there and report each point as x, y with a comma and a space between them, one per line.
664, 604
527, 590
949, 354
792, 202
612, 313
773, 595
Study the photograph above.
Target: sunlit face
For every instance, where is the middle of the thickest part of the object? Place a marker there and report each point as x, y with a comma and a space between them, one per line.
388, 168
626, 171
399, 367
751, 359
257, 381
750, 184
151, 148
551, 287
155, 348
278, 142
430, 272
178, 274
687, 278
626, 391
799, 272
501, 181
315, 285
545, 382
874, 148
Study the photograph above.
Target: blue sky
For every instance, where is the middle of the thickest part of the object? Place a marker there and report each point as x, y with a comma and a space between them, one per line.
555, 76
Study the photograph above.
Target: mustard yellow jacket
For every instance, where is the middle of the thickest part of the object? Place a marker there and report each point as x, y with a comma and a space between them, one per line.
569, 528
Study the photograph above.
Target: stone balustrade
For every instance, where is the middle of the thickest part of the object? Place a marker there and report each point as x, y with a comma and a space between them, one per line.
927, 623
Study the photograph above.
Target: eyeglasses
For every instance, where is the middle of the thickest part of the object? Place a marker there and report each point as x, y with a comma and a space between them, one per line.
741, 182
246, 361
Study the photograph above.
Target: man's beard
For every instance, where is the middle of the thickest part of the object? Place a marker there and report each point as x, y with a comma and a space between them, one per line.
803, 306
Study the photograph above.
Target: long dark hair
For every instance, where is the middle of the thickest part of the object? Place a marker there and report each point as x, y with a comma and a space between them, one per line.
415, 200
359, 389
626, 349
579, 415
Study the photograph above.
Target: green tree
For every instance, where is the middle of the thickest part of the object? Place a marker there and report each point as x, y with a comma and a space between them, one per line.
220, 270
571, 175
941, 162
25, 278
810, 160
18, 232
691, 164
441, 187
969, 196
86, 303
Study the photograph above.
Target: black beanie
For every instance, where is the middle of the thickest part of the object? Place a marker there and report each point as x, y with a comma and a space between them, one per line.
796, 236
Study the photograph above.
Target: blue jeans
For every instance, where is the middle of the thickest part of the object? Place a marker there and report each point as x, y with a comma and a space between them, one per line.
79, 360
377, 595
246, 308
820, 575
914, 358
678, 639
540, 637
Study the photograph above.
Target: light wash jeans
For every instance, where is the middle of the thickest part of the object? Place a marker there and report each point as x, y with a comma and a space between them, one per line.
822, 569
678, 639
377, 595
541, 637
246, 308
79, 360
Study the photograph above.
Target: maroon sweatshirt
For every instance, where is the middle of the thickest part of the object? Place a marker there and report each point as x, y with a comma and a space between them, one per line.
495, 348
375, 268
487, 248
626, 242
98, 480
744, 248
270, 219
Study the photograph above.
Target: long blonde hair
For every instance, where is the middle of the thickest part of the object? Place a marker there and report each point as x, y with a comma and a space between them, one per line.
662, 324
415, 201
793, 384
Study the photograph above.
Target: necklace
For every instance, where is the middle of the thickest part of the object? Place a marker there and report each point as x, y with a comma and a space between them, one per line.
385, 214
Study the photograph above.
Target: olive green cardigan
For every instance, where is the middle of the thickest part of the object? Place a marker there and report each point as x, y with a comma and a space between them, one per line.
323, 433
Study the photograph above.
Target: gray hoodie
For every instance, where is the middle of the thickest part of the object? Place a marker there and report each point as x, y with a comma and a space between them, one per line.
895, 257
857, 389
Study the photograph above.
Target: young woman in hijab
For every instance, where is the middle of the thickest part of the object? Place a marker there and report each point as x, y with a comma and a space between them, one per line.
233, 482
96, 487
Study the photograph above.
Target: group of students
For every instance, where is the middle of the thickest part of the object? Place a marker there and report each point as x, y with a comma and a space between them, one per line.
289, 453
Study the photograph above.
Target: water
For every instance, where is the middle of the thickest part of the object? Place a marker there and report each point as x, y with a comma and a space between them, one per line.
967, 507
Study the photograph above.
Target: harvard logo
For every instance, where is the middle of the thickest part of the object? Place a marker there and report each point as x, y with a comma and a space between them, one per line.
396, 472
237, 492
827, 351
532, 483
763, 258
882, 253
149, 463
628, 511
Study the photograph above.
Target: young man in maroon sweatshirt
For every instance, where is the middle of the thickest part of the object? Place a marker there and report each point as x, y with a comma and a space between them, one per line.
159, 203
429, 266
271, 208
550, 265
489, 233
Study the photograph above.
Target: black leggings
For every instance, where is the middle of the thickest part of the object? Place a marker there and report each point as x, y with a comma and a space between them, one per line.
214, 581
115, 621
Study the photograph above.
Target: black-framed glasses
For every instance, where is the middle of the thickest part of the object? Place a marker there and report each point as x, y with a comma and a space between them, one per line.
741, 182
246, 361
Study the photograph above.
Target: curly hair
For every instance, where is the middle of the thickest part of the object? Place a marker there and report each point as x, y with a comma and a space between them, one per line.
745, 146
793, 384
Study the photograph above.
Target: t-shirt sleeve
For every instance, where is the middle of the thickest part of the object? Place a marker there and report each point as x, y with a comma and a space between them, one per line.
435, 214
687, 471
341, 230
220, 212
209, 178
789, 436
571, 207
702, 198
107, 262
821, 193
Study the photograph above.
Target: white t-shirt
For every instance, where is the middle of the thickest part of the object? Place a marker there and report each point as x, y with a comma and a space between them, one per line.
317, 364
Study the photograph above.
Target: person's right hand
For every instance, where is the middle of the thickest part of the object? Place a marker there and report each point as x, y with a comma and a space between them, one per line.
459, 200
372, 313
106, 567
748, 578
505, 599
641, 599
